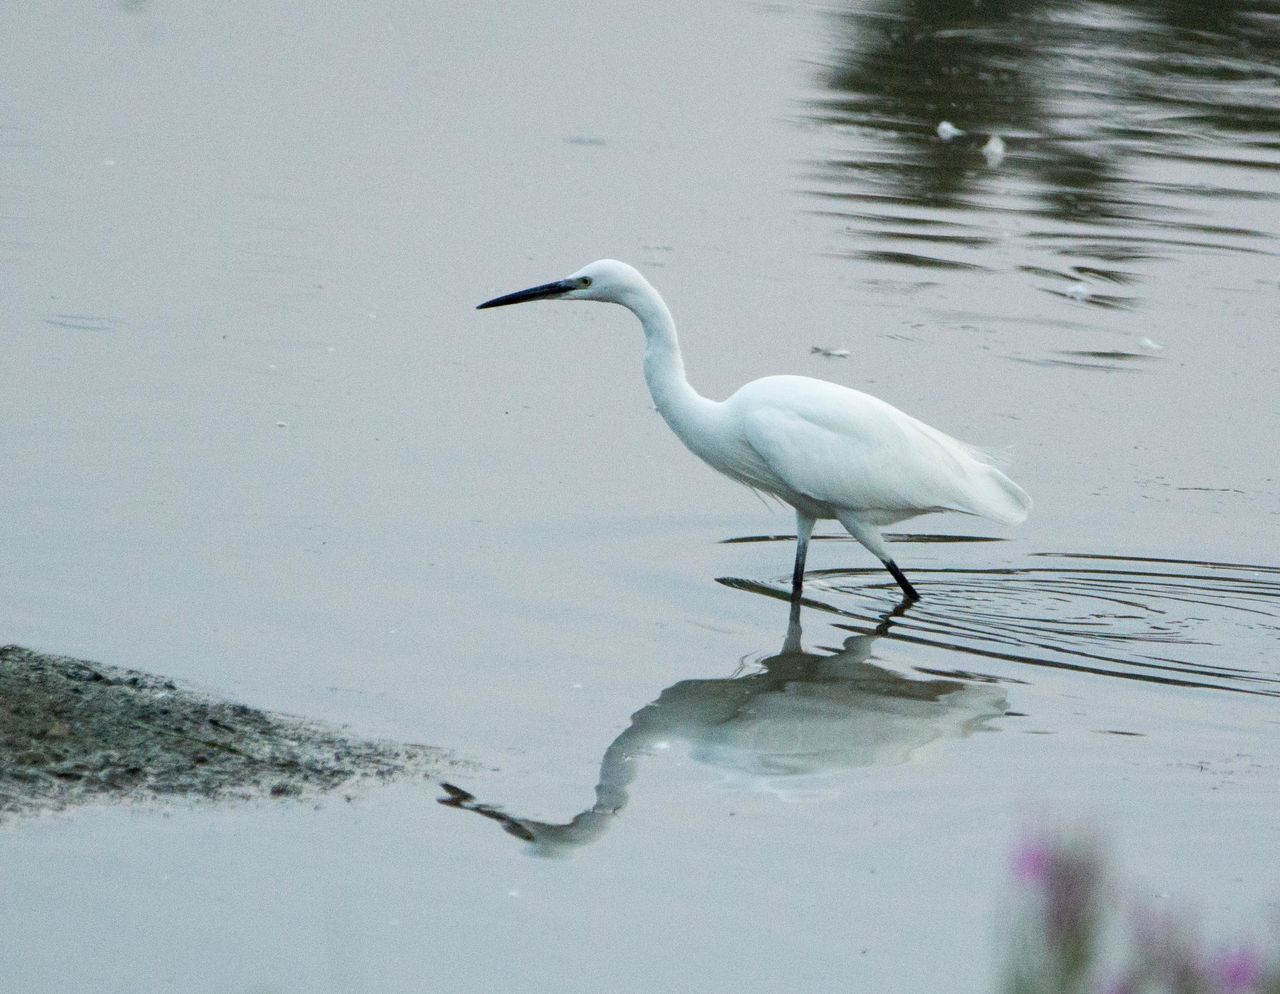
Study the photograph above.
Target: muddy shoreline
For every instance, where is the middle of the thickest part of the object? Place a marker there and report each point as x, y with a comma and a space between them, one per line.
74, 732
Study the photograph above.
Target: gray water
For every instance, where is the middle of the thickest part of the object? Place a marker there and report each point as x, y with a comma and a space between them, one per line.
259, 442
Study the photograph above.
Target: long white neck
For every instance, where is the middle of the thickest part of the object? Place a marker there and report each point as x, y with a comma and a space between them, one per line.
680, 405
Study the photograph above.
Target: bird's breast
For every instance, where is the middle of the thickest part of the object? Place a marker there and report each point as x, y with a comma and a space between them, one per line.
714, 432
730, 454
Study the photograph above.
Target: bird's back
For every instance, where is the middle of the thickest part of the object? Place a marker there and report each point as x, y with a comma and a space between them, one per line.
847, 450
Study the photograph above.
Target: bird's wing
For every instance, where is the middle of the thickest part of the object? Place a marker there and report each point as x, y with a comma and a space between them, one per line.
853, 451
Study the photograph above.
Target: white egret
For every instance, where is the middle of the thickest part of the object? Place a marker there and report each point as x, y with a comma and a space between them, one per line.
827, 450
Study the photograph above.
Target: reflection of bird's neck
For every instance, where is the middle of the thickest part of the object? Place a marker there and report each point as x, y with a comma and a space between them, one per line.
680, 405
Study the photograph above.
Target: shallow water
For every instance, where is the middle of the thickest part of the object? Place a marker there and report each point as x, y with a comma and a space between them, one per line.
260, 443
1165, 621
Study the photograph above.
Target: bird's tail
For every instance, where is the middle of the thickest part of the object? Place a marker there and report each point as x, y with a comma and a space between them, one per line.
997, 497
987, 492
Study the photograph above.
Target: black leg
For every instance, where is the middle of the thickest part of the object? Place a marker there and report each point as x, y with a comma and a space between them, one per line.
797, 574
903, 582
804, 528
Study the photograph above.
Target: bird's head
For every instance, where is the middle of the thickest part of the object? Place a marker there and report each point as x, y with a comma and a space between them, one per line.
606, 280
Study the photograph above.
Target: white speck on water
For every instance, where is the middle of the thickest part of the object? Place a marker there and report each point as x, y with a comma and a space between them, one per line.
1149, 345
947, 131
513, 893
994, 150
1079, 291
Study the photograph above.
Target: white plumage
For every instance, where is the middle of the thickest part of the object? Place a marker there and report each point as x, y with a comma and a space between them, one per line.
828, 451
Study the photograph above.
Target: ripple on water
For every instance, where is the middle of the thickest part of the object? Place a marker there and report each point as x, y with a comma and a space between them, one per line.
1171, 621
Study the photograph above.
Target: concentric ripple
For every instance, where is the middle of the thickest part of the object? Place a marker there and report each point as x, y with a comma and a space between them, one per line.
1181, 622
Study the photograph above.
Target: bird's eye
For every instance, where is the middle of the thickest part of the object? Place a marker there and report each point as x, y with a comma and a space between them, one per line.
585, 282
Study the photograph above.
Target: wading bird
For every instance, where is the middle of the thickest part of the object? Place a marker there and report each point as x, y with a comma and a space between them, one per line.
828, 451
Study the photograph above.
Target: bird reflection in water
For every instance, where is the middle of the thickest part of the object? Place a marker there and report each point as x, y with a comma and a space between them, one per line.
802, 714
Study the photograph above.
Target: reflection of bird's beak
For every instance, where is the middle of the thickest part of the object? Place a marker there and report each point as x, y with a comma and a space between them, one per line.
533, 293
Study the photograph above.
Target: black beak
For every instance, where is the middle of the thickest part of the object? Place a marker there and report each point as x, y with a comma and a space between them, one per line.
533, 293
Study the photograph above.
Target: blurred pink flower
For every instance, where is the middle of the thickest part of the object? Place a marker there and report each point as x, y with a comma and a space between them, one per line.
1238, 971
1124, 985
1033, 861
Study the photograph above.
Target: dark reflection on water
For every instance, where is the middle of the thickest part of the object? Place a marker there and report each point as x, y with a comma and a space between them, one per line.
1104, 362
897, 537
1129, 127
796, 717
1177, 622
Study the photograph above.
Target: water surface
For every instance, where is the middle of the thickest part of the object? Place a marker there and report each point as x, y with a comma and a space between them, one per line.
259, 443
